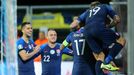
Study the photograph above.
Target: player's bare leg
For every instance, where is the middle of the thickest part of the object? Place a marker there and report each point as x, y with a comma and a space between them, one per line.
118, 45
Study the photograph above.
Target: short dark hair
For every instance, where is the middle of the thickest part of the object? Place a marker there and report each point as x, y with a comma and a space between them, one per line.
105, 1
24, 24
94, 3
50, 29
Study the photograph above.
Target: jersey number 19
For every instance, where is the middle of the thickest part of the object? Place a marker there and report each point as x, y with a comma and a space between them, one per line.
94, 11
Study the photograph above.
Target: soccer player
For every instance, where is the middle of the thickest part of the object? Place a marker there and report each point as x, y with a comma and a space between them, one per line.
51, 55
84, 61
26, 50
95, 31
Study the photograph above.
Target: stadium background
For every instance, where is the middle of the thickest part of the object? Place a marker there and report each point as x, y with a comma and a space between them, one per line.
58, 14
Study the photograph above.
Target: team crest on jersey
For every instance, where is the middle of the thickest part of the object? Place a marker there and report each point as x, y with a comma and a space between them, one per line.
58, 52
52, 51
20, 46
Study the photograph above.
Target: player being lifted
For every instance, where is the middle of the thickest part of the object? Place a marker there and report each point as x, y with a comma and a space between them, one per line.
98, 36
51, 55
26, 51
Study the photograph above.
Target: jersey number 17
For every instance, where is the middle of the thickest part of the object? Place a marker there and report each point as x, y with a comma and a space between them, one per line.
77, 42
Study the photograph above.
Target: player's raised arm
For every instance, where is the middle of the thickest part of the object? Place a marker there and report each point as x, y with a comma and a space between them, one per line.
113, 15
116, 19
74, 24
25, 56
80, 19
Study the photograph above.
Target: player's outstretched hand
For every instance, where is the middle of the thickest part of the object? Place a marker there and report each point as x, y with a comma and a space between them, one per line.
37, 49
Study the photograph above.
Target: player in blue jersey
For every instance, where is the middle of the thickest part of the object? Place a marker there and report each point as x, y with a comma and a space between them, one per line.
26, 51
51, 55
84, 61
98, 36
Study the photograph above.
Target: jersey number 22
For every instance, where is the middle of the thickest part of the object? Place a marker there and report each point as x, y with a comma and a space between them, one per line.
46, 58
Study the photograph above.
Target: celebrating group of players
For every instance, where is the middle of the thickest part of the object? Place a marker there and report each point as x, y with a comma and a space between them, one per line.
90, 39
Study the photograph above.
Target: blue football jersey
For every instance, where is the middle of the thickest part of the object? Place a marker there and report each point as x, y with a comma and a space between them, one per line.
25, 67
81, 51
84, 61
96, 17
51, 59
